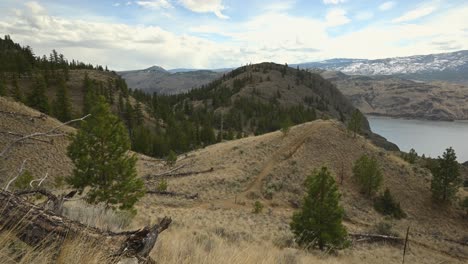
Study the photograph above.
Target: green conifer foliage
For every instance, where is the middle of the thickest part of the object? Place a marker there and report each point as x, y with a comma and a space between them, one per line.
100, 153
319, 221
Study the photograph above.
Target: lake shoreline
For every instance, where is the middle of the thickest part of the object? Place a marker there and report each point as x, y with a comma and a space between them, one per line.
429, 137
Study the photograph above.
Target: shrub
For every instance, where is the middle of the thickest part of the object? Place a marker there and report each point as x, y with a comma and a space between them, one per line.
22, 182
384, 228
258, 207
162, 185
368, 174
386, 205
410, 157
171, 158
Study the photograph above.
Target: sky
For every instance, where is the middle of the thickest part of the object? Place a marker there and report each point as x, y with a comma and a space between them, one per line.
128, 34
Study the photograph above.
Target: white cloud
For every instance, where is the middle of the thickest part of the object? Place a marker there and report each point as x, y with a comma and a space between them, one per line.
333, 2
278, 6
116, 4
272, 36
35, 7
386, 6
205, 6
154, 4
336, 17
415, 14
364, 15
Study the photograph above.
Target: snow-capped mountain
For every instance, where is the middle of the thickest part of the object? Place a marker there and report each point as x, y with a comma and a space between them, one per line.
446, 66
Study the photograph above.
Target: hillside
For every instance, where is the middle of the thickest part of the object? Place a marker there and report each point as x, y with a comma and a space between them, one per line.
396, 97
157, 80
256, 99
269, 168
452, 66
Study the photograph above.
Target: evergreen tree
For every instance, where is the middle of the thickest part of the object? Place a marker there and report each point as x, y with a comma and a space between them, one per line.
2, 88
355, 123
386, 205
368, 174
38, 99
16, 93
100, 153
319, 221
446, 177
62, 106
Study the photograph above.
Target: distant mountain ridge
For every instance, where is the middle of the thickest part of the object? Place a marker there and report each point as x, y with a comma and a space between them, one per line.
452, 66
157, 79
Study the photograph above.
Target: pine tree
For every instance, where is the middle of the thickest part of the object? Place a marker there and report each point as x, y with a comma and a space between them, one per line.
446, 177
368, 174
319, 222
62, 106
354, 124
38, 99
100, 153
16, 93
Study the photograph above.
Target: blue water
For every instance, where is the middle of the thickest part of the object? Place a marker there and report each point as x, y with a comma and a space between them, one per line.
426, 137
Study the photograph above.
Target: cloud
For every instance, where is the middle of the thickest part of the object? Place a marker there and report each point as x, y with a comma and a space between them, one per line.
336, 17
205, 6
386, 6
278, 6
415, 14
271, 36
154, 4
333, 2
116, 4
35, 7
364, 15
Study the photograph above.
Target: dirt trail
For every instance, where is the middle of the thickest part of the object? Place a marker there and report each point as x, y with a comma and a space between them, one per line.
285, 152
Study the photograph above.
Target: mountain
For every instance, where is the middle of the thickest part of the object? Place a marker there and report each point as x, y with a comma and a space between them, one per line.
257, 99
451, 66
396, 97
156, 79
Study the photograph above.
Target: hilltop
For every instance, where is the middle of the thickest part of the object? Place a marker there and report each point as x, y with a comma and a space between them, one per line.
157, 80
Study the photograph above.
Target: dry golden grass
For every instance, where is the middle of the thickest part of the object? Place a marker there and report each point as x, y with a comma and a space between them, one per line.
220, 226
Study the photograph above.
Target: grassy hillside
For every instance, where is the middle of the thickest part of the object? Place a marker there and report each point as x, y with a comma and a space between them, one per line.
270, 168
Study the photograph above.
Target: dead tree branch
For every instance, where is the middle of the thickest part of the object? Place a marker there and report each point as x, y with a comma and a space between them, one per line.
31, 117
20, 171
41, 180
376, 238
42, 226
49, 133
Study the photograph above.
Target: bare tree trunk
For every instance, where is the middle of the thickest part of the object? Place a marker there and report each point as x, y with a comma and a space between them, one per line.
33, 225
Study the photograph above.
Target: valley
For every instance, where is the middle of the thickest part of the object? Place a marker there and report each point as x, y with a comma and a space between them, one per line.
233, 132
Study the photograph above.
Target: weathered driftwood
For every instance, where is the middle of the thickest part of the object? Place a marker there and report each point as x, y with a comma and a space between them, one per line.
34, 225
174, 194
376, 238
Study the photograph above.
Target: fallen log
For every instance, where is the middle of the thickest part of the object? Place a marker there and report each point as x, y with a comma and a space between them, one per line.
168, 193
178, 174
34, 225
376, 238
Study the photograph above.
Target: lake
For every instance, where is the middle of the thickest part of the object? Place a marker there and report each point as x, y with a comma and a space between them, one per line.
426, 137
